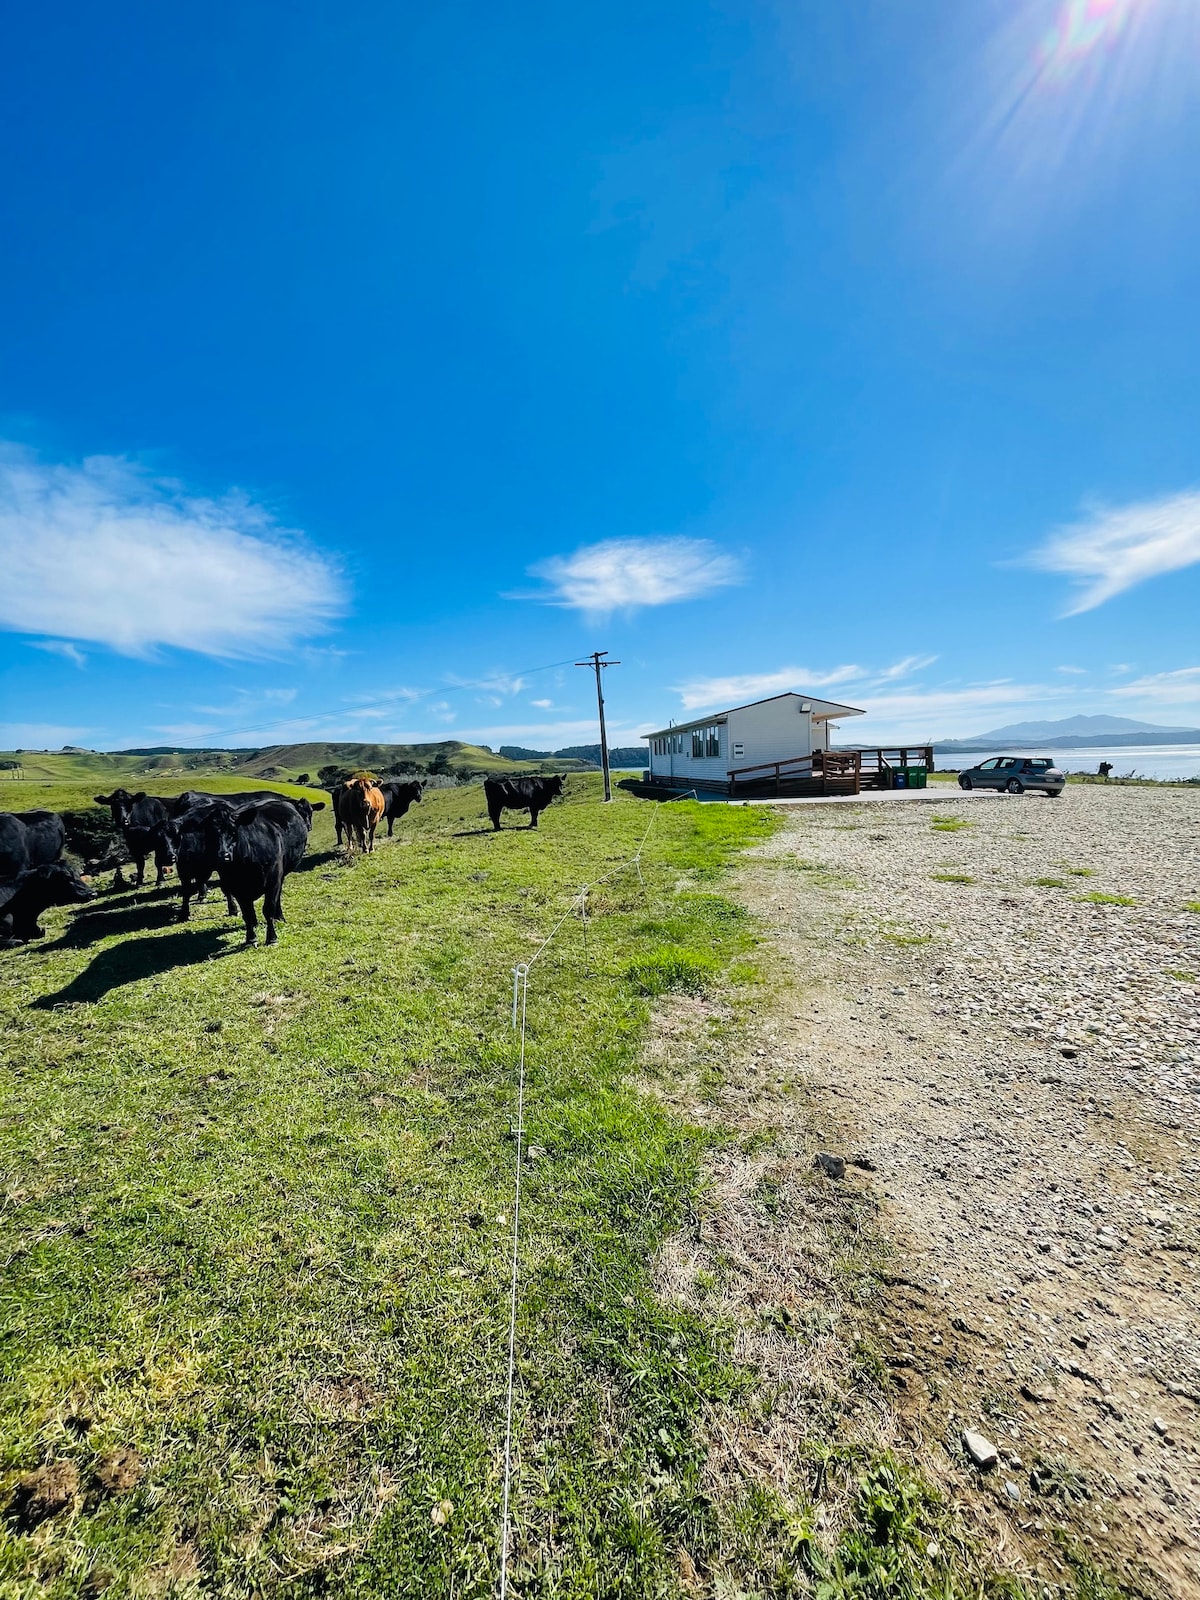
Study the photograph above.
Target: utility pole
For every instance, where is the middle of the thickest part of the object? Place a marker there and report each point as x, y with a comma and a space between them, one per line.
597, 662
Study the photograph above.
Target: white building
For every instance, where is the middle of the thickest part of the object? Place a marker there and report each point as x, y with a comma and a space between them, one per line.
703, 754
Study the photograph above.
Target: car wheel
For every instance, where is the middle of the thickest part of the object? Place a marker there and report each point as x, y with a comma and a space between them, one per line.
964, 782
1053, 794
1015, 786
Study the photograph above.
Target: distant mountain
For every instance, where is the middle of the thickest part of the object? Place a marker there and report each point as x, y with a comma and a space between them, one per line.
1068, 727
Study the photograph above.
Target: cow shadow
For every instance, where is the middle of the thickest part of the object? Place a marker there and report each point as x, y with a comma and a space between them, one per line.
136, 959
476, 833
321, 858
91, 926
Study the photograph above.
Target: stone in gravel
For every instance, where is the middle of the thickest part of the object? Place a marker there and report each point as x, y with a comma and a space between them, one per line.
1012, 1490
863, 1163
831, 1166
1041, 1397
981, 1451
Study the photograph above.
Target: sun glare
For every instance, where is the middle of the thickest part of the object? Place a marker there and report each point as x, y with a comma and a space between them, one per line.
1081, 81
1082, 28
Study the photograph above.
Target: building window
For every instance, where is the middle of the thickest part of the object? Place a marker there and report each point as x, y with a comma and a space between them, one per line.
706, 741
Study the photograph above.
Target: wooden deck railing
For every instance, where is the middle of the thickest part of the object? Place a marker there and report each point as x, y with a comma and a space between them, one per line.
848, 770
840, 765
875, 763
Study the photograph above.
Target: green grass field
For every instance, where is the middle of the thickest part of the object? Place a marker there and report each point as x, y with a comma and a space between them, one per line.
257, 1228
257, 1209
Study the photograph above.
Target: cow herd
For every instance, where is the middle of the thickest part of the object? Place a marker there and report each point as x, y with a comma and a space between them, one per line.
249, 842
32, 877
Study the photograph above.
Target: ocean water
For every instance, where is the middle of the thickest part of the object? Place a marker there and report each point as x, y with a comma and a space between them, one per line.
1142, 761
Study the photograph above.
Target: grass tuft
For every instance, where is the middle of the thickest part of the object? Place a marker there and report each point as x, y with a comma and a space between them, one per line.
951, 824
953, 877
672, 971
1097, 897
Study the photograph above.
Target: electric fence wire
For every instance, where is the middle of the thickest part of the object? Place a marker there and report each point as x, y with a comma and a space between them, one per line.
520, 998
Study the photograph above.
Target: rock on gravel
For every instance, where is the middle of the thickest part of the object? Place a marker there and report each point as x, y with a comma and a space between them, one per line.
980, 1449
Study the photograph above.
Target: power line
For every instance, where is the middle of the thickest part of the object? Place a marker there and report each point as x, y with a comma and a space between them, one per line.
344, 711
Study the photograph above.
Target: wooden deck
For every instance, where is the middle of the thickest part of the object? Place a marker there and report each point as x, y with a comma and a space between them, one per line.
824, 773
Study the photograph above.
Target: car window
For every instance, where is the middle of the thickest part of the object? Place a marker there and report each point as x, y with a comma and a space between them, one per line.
1037, 766
1009, 761
988, 766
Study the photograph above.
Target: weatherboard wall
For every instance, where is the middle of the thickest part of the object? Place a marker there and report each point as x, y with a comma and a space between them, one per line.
775, 730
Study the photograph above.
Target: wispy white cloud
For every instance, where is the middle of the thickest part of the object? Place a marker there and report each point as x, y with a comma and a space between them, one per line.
621, 574
898, 706
907, 668
741, 687
493, 683
61, 647
1079, 672
102, 551
1178, 688
1120, 546
737, 688
948, 711
542, 705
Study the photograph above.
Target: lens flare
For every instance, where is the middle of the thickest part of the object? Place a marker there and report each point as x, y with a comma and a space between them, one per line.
1083, 28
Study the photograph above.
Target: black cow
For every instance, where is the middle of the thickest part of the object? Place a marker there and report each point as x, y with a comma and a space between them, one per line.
256, 849
25, 897
336, 796
191, 798
195, 844
195, 838
141, 818
520, 794
398, 795
29, 839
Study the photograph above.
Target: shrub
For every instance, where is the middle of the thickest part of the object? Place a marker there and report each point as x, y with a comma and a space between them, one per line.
90, 833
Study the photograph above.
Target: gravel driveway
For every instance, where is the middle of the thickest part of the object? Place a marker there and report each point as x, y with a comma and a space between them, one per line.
1022, 1064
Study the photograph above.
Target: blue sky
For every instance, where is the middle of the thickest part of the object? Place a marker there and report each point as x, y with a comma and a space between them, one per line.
358, 360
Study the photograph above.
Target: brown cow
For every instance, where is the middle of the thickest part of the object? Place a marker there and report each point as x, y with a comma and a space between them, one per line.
361, 809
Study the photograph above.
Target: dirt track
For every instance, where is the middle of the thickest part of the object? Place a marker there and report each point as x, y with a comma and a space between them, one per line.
1022, 1067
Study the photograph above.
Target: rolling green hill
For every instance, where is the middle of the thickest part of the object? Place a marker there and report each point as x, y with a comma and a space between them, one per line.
282, 762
